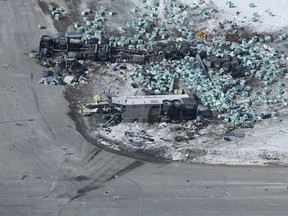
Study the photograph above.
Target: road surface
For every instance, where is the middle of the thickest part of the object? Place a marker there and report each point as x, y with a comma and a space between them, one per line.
48, 168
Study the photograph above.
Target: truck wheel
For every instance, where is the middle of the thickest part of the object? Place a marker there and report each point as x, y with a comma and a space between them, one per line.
218, 63
91, 56
185, 51
235, 62
171, 45
227, 58
227, 66
46, 38
183, 44
102, 55
158, 47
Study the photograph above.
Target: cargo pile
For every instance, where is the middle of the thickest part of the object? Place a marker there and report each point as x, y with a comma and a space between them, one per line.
226, 82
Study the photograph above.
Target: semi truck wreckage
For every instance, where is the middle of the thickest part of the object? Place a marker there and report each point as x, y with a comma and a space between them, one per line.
74, 47
151, 108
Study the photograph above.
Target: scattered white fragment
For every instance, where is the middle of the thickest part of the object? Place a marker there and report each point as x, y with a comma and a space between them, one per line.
68, 79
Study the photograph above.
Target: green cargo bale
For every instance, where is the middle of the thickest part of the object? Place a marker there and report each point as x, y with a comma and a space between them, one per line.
88, 23
134, 10
103, 8
54, 12
131, 47
230, 4
41, 26
122, 30
60, 10
112, 13
271, 14
32, 55
57, 17
51, 7
268, 38
155, 4
86, 12
282, 36
65, 13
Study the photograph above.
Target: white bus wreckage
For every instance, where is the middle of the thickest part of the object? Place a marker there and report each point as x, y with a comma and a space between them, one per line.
144, 109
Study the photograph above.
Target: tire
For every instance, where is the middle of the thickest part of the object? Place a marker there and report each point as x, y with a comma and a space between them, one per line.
238, 71
185, 51
235, 62
46, 38
102, 55
171, 53
158, 47
218, 63
227, 58
183, 45
91, 56
184, 48
171, 45
171, 49
227, 66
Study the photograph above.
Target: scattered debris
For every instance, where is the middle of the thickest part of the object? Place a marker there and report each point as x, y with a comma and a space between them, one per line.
41, 26
230, 4
6, 66
23, 177
252, 5
58, 12
235, 77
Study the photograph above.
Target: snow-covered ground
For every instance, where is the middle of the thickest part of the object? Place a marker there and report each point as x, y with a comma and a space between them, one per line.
267, 142
272, 15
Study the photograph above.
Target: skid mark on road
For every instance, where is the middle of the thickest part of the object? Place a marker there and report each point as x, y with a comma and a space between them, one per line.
49, 191
101, 168
105, 177
127, 169
95, 153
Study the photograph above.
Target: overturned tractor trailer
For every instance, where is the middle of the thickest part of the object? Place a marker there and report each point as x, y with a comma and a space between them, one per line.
76, 45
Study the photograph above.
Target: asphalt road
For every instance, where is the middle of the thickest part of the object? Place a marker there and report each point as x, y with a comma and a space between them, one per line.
48, 168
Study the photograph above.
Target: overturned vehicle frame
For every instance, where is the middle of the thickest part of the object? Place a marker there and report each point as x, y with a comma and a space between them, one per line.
74, 44
145, 109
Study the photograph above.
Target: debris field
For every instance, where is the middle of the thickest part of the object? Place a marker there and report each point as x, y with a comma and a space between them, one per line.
236, 77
